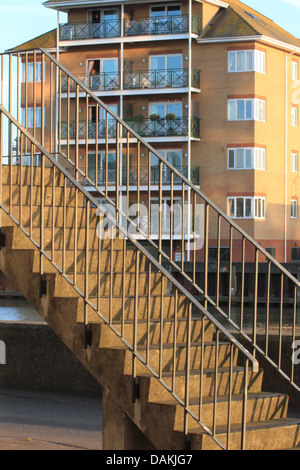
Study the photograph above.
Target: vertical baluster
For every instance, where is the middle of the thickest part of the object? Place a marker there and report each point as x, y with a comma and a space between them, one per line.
53, 212
201, 378
59, 136
255, 301
21, 182
43, 100
280, 320
206, 254
194, 199
31, 191
187, 371
242, 284
149, 194
124, 252
10, 146
42, 213
68, 117
34, 94
171, 214
216, 382
294, 328
268, 306
51, 98
161, 335
135, 327
111, 279
160, 212
87, 135
230, 271
245, 399
106, 155
1, 160
182, 226
86, 274
96, 145
118, 171
149, 312
218, 259
229, 395
64, 224
175, 296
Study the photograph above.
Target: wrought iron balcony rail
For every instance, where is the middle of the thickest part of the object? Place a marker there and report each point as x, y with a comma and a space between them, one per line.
99, 82
161, 25
134, 27
146, 128
177, 78
163, 127
89, 30
141, 175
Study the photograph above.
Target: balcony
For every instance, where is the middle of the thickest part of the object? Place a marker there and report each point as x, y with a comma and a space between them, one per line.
164, 127
79, 31
146, 128
105, 81
164, 25
144, 176
178, 78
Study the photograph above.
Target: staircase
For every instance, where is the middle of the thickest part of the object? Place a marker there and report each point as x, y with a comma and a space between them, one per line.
173, 376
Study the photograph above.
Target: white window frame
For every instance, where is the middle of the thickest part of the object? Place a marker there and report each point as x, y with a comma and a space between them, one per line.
30, 70
253, 109
257, 206
38, 117
165, 104
294, 163
295, 69
294, 209
257, 62
294, 116
246, 158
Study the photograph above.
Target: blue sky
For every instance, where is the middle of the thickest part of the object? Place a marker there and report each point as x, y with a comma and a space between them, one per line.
22, 20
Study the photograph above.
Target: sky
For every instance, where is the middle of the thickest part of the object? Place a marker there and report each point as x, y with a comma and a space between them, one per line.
23, 20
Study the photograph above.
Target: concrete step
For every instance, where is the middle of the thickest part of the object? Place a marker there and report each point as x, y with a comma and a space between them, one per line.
263, 435
262, 406
114, 284
26, 176
175, 358
154, 310
157, 394
109, 339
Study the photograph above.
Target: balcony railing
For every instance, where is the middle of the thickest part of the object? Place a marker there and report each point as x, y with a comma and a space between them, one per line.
101, 82
131, 176
107, 81
146, 128
161, 25
164, 127
134, 27
77, 31
177, 78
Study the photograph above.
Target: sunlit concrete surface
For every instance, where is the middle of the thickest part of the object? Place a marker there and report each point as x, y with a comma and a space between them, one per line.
49, 421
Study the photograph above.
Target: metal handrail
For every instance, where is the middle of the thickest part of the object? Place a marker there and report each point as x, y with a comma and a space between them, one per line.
220, 329
185, 180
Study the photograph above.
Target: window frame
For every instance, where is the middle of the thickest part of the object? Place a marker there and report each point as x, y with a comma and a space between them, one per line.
254, 158
294, 162
254, 202
255, 109
294, 209
294, 70
258, 61
294, 116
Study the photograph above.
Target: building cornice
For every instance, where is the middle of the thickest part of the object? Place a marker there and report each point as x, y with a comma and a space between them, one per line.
257, 37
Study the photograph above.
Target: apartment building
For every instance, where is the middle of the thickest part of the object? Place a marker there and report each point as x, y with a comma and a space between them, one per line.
212, 85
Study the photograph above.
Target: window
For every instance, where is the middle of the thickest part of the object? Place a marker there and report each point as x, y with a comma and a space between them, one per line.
246, 207
295, 254
294, 116
30, 114
294, 208
246, 159
213, 254
30, 72
162, 109
294, 70
271, 251
246, 110
294, 164
247, 61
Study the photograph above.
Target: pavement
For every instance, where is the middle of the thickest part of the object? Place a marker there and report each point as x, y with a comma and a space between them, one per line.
49, 421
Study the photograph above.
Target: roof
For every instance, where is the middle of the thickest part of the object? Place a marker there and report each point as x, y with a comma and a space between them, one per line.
240, 20
46, 41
